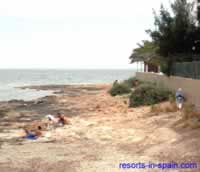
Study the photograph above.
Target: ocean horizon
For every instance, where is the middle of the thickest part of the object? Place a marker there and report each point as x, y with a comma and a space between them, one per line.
10, 79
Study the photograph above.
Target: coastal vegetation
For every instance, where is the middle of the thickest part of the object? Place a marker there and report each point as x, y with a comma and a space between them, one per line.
120, 89
175, 38
140, 93
132, 82
124, 87
159, 99
148, 94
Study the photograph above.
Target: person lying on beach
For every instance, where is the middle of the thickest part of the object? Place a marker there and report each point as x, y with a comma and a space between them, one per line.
33, 135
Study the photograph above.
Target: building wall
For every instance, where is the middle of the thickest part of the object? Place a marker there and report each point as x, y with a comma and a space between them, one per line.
191, 87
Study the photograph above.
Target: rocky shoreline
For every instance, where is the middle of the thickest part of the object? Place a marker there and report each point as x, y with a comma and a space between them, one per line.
15, 113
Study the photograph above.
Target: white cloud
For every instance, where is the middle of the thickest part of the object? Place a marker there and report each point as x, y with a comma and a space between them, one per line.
62, 8
72, 34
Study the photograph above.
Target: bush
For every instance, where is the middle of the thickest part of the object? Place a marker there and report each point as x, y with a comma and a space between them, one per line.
119, 89
148, 94
131, 82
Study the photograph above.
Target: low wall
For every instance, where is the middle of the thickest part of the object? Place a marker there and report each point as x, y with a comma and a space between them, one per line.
191, 87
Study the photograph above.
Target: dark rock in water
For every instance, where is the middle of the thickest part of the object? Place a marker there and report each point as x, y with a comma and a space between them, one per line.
59, 92
17, 101
50, 99
39, 102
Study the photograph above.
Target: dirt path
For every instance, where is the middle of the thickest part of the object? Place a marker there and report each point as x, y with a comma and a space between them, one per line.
103, 134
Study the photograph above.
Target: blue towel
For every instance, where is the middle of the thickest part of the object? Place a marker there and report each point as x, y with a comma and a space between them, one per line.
31, 136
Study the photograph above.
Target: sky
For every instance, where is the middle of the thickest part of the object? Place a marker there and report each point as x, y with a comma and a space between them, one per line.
66, 34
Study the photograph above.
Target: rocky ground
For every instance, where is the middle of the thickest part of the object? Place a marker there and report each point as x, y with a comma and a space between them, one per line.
104, 133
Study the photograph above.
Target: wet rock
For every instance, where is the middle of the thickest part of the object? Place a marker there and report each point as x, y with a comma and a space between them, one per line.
16, 101
39, 102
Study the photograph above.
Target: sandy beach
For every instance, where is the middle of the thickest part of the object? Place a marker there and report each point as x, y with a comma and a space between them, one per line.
103, 133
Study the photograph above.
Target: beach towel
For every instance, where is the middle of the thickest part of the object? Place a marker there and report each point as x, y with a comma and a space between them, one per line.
31, 136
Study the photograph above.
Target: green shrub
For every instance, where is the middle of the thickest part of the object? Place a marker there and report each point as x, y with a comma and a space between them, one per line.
148, 94
131, 81
119, 89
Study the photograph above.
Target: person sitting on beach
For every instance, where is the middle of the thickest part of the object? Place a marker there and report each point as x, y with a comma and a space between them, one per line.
179, 98
52, 118
57, 120
52, 121
62, 120
33, 135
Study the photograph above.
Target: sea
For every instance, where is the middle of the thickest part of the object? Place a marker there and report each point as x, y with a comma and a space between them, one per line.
10, 79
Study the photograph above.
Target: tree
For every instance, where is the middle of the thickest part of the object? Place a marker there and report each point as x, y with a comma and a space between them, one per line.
174, 33
146, 52
175, 38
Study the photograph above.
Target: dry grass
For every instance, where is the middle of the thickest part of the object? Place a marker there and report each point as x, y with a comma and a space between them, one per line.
188, 111
190, 117
164, 107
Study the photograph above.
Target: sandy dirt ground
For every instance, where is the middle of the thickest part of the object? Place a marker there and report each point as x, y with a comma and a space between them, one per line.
103, 133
